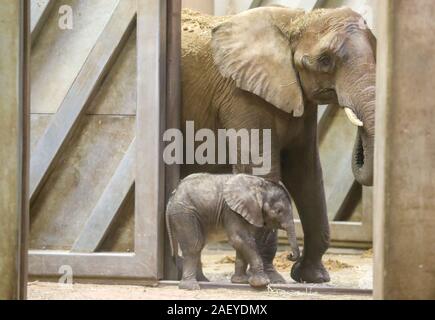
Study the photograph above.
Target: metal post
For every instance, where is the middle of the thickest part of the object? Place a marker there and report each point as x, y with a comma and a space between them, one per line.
151, 123
173, 114
14, 138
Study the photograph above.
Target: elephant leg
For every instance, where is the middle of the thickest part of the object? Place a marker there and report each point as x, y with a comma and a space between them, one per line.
190, 265
303, 176
241, 266
267, 243
187, 231
246, 245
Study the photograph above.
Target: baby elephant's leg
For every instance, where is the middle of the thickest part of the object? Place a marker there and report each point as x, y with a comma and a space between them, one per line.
191, 239
245, 244
267, 242
190, 265
241, 265
241, 235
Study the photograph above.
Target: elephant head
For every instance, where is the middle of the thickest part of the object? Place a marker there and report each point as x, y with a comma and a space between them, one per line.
263, 204
293, 59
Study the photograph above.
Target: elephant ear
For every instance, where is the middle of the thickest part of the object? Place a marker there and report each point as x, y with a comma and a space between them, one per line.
244, 195
250, 49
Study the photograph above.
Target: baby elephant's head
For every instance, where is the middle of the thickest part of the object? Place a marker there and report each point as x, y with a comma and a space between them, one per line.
278, 214
264, 204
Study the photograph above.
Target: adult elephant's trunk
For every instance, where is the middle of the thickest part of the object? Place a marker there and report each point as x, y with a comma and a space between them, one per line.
356, 91
362, 158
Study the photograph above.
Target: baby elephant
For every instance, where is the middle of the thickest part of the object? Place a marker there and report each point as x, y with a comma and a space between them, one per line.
242, 205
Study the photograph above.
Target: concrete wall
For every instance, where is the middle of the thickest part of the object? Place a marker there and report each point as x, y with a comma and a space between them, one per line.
227, 7
367, 8
205, 6
223, 7
405, 152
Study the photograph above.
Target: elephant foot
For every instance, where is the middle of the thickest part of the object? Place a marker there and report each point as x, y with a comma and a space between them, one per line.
259, 280
240, 279
189, 285
307, 272
274, 276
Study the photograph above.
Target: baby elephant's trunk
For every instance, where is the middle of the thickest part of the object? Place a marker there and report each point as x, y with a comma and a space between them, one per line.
293, 242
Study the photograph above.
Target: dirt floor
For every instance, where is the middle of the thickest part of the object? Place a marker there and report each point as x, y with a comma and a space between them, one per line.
348, 269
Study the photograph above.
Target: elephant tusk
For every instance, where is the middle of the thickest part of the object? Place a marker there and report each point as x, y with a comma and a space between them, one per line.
353, 118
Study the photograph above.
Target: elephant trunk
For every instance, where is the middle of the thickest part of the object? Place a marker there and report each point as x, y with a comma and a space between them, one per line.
363, 158
357, 95
293, 242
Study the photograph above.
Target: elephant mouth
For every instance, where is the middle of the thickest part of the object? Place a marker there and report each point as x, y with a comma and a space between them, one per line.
325, 96
359, 157
362, 162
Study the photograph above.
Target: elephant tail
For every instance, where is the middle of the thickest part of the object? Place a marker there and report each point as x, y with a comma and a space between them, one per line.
172, 241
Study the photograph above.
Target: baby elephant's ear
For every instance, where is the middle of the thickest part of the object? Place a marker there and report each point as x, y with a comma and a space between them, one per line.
244, 195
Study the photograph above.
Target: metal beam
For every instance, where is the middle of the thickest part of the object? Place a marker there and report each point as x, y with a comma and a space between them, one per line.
341, 232
150, 124
86, 265
99, 61
255, 4
108, 205
39, 13
303, 4
173, 118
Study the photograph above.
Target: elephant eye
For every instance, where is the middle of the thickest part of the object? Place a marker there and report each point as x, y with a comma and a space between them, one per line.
325, 60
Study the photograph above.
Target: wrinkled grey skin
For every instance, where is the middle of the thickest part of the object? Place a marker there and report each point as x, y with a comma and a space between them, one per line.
270, 68
241, 205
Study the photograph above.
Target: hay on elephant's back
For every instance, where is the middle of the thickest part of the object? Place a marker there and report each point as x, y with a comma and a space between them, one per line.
196, 29
298, 25
194, 20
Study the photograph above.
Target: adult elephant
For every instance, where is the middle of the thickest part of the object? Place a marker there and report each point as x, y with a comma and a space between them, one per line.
270, 68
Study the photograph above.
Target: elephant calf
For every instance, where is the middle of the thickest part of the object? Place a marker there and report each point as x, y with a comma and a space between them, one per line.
242, 206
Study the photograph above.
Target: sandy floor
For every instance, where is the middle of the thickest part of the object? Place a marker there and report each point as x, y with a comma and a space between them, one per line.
50, 291
347, 269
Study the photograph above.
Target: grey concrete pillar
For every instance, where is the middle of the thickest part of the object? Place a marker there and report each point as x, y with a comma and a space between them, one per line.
404, 199
14, 115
